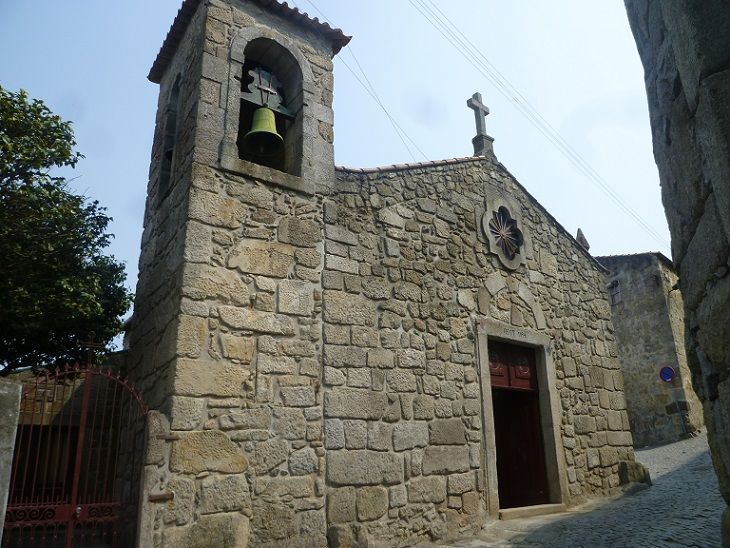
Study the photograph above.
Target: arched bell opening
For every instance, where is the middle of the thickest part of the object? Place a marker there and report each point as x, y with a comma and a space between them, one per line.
270, 120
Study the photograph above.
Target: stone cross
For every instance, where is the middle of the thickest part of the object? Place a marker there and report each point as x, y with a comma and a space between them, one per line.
482, 142
480, 112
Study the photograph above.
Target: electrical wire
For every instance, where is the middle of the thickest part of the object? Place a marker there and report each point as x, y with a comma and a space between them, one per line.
370, 89
480, 62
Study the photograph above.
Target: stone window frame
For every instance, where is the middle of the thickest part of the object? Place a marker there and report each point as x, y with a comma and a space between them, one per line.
229, 159
487, 330
494, 201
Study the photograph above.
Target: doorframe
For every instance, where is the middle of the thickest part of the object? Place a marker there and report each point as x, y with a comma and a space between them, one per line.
549, 401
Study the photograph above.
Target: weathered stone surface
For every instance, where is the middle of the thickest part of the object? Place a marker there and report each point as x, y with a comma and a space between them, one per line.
345, 308
269, 455
157, 424
341, 505
407, 435
334, 434
302, 462
297, 396
180, 509
354, 403
584, 424
272, 521
209, 378
299, 232
343, 356
215, 210
471, 503
423, 407
206, 451
379, 436
191, 336
431, 489
400, 380
340, 234
253, 320
289, 423
341, 264
398, 496
447, 432
381, 358
201, 282
296, 297
390, 217
260, 257
445, 460
229, 530
372, 503
356, 434
461, 483
266, 363
245, 419
224, 494
363, 468
411, 359
186, 413
283, 486
236, 347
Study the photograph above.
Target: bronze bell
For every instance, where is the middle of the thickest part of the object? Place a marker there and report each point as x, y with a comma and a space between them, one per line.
263, 140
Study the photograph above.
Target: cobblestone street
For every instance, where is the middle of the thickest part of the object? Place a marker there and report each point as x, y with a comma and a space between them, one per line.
682, 508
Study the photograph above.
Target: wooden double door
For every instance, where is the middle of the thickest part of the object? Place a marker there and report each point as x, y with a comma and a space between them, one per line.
521, 469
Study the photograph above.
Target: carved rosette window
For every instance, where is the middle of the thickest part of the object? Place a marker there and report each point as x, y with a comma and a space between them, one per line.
507, 236
501, 229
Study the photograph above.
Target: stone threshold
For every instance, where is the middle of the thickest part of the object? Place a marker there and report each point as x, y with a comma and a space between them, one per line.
531, 511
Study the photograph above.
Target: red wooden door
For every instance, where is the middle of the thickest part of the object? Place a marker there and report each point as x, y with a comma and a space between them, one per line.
512, 366
521, 471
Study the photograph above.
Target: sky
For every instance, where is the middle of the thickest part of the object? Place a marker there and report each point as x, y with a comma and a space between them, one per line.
574, 61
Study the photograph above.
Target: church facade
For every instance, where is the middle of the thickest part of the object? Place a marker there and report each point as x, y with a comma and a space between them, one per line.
350, 357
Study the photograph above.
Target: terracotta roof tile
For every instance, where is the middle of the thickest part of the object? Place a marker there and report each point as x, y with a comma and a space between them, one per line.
188, 8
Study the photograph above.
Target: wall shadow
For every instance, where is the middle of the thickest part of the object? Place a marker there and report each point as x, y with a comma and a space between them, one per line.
682, 508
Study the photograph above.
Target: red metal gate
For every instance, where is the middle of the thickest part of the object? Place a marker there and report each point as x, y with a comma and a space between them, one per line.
77, 461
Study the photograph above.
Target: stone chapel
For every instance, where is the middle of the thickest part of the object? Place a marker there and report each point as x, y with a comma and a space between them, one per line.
350, 357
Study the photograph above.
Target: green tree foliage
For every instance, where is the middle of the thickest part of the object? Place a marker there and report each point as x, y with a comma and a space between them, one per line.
56, 284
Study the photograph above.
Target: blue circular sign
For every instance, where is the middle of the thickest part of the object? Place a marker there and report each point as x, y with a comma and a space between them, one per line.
667, 374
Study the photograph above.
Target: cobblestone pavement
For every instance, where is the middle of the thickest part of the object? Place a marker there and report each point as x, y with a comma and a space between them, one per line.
682, 508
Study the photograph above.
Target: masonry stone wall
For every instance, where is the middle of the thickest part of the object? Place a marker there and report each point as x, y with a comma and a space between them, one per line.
152, 336
685, 50
307, 340
406, 275
225, 341
649, 322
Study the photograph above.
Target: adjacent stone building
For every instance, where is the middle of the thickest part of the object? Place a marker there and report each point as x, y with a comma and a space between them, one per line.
350, 356
648, 316
685, 50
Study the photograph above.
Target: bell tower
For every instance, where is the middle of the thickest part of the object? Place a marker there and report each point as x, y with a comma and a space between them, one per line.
225, 341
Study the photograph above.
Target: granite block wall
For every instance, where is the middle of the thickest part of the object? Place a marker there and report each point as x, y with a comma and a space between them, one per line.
407, 272
308, 338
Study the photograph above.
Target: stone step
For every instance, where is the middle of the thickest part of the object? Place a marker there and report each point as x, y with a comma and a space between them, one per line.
531, 511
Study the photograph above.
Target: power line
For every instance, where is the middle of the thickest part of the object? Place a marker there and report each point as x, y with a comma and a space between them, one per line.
465, 47
370, 89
